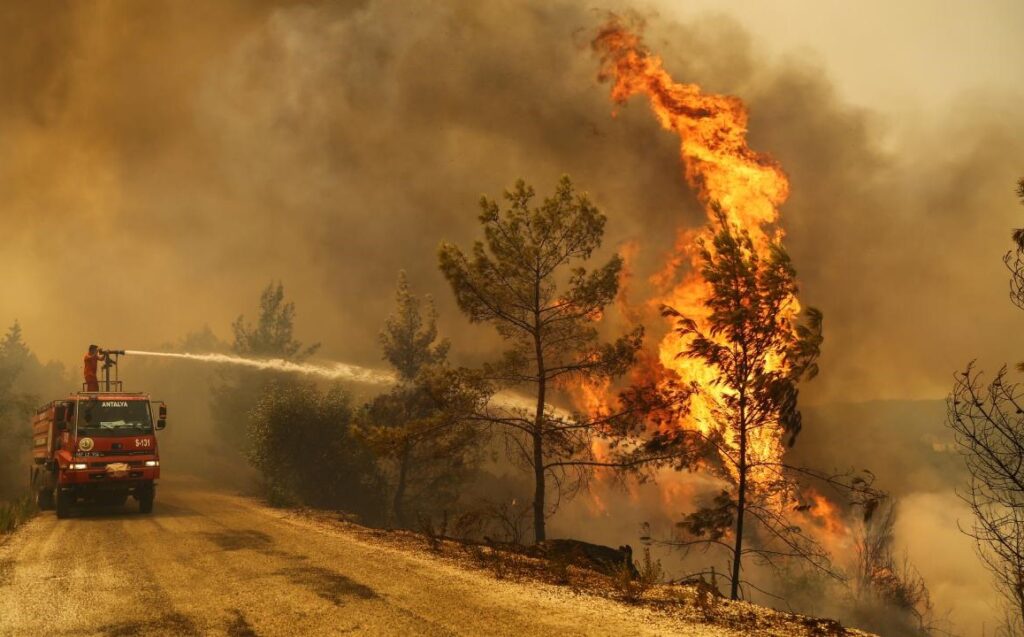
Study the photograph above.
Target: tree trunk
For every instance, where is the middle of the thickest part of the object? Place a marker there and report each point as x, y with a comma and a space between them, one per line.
538, 424
741, 500
538, 463
538, 495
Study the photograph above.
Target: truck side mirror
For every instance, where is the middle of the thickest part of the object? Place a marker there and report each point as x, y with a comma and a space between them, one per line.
63, 415
161, 420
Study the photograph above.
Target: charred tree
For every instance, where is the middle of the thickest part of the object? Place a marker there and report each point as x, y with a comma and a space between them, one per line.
526, 278
988, 421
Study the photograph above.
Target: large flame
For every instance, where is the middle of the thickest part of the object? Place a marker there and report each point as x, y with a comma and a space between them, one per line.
722, 169
747, 186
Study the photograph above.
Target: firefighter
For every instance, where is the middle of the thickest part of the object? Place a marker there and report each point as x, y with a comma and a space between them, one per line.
92, 359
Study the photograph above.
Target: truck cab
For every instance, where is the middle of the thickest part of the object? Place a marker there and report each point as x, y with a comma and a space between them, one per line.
98, 447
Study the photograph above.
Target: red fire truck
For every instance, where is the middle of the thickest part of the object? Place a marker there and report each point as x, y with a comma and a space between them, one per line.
97, 447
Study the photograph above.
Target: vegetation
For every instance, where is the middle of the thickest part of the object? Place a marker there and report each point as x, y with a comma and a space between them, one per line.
23, 380
889, 593
988, 421
15, 513
989, 427
235, 396
422, 430
752, 397
301, 441
526, 278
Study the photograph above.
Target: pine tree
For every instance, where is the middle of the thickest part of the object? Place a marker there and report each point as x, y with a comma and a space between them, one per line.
272, 336
527, 279
421, 429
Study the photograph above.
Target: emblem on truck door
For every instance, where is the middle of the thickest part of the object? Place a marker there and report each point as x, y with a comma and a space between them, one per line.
85, 444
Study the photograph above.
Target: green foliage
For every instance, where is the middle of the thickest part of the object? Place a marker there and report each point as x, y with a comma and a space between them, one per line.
526, 279
235, 396
423, 437
301, 442
421, 430
409, 338
272, 336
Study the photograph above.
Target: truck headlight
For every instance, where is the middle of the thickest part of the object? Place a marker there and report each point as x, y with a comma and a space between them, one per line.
152, 463
78, 466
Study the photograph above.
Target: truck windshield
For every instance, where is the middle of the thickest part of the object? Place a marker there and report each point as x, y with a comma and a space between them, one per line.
114, 417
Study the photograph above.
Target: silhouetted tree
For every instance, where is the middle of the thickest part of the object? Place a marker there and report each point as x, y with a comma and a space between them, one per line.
409, 338
988, 422
527, 280
889, 592
759, 352
24, 384
1014, 260
15, 407
421, 430
272, 336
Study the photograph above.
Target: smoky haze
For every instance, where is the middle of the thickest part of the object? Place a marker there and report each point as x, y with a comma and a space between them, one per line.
163, 161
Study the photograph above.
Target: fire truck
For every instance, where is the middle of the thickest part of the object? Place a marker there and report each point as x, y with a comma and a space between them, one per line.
97, 446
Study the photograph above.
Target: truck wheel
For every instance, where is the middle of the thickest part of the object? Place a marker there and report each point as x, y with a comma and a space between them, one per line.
145, 499
63, 504
44, 499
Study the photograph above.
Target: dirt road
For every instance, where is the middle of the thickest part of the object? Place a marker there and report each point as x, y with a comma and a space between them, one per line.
209, 563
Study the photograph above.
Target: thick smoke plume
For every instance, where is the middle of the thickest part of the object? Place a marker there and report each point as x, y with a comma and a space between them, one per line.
162, 161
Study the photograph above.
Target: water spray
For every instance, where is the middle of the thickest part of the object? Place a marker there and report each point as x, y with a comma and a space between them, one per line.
334, 371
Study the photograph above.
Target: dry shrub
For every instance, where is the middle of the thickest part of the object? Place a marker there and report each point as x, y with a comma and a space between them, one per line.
14, 514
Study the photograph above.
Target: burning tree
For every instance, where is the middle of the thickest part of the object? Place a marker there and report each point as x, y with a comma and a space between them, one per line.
729, 371
521, 280
421, 429
751, 339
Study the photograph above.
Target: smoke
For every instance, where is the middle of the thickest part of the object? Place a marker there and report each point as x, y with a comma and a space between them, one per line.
162, 161
331, 144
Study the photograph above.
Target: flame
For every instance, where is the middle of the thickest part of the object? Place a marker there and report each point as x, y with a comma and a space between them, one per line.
723, 170
748, 187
